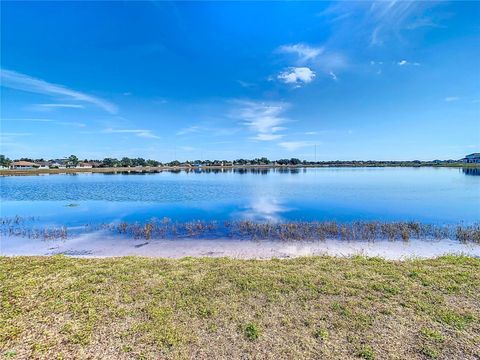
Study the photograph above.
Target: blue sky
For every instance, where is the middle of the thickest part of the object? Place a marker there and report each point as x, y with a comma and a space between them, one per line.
383, 80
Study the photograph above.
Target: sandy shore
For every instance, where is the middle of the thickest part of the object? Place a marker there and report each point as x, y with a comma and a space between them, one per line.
105, 245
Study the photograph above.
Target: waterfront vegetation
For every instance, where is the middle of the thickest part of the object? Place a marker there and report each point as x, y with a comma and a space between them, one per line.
245, 229
73, 161
315, 307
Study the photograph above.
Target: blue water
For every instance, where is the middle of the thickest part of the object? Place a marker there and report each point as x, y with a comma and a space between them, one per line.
434, 195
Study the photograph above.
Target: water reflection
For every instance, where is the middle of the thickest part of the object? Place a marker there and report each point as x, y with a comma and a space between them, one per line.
471, 171
263, 209
247, 170
196, 170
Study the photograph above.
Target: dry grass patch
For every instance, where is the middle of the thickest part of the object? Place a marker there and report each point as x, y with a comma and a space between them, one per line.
313, 307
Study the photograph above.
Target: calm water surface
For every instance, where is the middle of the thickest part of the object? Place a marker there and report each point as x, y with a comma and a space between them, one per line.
434, 195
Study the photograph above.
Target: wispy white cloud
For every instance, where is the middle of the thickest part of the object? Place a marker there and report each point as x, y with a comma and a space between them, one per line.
14, 80
16, 134
295, 145
303, 52
423, 22
297, 75
55, 106
137, 132
27, 119
381, 21
207, 129
245, 84
390, 17
318, 59
334, 77
406, 63
266, 137
452, 98
71, 123
263, 118
189, 130
49, 121
187, 148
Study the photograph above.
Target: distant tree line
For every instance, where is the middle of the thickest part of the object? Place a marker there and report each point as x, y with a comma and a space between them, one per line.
73, 161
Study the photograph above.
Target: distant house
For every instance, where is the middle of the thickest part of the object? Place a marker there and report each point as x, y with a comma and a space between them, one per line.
472, 158
23, 165
85, 165
57, 165
43, 164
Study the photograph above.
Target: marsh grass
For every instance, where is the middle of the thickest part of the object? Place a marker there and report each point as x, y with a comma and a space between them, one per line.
205, 308
244, 229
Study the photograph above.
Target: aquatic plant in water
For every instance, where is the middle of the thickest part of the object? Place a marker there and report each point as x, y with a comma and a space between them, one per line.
165, 228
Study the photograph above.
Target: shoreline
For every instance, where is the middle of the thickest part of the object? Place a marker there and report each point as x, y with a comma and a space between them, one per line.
104, 246
9, 172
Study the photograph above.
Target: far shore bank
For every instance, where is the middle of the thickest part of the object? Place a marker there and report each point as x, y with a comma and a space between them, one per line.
153, 169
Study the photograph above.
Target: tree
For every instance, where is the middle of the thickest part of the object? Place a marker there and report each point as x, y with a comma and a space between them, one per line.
240, 162
126, 162
73, 160
4, 161
110, 162
139, 162
264, 161
151, 162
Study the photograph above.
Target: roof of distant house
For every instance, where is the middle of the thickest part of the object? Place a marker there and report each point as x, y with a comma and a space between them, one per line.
23, 163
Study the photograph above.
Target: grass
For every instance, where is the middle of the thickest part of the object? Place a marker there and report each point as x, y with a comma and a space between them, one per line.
314, 307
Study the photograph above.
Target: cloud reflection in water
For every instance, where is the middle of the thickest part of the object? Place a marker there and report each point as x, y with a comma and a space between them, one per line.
263, 209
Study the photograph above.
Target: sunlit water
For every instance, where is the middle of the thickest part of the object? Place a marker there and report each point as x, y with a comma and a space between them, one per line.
431, 195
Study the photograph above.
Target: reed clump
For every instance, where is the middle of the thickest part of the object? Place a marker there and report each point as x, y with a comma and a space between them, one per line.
166, 228
467, 234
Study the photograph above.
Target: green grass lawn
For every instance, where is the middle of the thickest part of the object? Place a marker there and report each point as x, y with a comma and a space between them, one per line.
205, 308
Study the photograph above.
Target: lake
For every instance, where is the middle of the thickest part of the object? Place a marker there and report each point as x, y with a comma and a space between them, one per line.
428, 195
438, 195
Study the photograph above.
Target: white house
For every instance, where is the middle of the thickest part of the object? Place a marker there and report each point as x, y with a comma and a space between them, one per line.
23, 165
43, 164
472, 158
57, 165
84, 165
